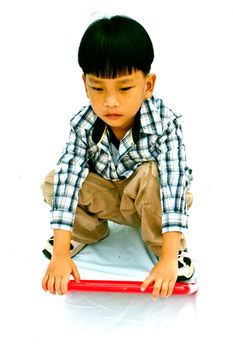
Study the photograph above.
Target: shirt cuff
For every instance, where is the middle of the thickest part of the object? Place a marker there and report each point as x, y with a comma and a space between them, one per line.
175, 222
62, 220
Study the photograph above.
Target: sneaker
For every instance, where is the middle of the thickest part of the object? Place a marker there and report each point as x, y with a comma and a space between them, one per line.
185, 266
75, 248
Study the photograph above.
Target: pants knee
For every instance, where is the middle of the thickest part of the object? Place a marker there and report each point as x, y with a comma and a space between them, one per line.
47, 188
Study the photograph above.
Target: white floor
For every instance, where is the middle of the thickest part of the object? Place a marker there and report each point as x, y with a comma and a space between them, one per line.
34, 319
39, 94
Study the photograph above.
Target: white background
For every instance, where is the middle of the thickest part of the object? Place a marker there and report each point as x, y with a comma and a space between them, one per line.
40, 91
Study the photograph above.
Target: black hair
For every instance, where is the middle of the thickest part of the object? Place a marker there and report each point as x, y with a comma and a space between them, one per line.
115, 46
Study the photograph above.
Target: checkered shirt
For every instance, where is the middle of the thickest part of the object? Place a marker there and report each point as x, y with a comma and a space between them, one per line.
156, 136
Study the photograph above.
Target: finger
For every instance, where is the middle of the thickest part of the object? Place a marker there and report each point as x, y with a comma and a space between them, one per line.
58, 286
76, 274
64, 284
156, 289
44, 282
171, 286
164, 289
146, 283
50, 285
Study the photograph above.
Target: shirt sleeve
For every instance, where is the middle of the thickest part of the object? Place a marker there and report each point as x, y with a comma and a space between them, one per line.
70, 174
174, 178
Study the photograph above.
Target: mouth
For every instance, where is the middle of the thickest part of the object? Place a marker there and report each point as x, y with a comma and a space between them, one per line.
112, 115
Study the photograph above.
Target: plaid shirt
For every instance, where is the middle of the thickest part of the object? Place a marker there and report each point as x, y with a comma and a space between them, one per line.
155, 136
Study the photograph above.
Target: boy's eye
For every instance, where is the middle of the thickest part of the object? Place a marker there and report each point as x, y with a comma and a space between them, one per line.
97, 88
126, 88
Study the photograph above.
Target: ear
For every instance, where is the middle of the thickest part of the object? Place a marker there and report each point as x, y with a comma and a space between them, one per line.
84, 78
150, 84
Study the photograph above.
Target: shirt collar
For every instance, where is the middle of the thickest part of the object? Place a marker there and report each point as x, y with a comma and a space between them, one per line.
150, 119
98, 130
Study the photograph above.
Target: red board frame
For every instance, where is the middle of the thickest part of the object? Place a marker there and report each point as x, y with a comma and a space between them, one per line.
184, 288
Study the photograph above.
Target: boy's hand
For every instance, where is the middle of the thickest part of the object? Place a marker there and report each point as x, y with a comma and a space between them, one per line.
58, 274
163, 276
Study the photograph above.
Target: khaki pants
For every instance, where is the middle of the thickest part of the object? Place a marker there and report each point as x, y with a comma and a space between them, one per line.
134, 202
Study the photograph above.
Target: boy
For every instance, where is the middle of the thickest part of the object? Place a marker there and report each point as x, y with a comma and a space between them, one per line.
124, 162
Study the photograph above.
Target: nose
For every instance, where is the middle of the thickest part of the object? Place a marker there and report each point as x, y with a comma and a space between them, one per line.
111, 101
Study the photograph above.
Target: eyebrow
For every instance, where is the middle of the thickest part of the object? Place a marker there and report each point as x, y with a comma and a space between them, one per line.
93, 80
126, 81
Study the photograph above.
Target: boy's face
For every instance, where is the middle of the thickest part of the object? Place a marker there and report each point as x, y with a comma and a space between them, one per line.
117, 101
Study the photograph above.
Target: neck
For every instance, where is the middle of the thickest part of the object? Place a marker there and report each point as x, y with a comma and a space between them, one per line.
119, 133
